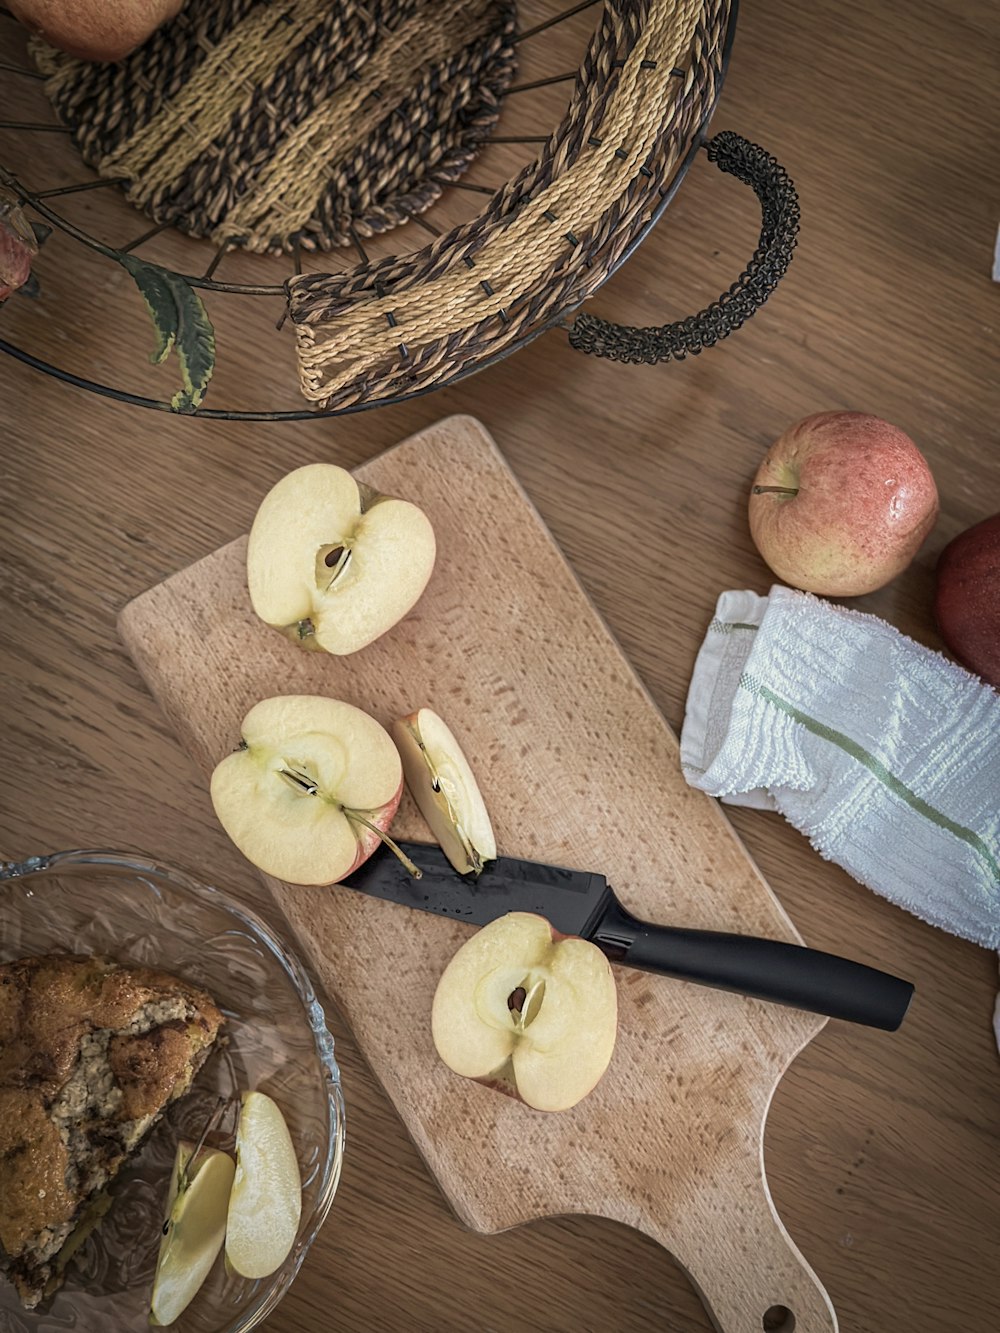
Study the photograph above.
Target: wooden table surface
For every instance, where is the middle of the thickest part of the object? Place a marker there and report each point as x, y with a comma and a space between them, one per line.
882, 1152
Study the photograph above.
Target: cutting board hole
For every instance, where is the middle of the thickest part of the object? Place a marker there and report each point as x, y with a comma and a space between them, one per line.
779, 1319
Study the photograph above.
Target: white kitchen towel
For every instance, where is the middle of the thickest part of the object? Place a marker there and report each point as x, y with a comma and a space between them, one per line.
886, 755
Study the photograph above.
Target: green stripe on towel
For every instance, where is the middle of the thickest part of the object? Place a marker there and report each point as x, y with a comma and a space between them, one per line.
717, 626
875, 767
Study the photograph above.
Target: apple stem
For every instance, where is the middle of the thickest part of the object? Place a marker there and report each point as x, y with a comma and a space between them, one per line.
368, 496
775, 490
414, 870
218, 1110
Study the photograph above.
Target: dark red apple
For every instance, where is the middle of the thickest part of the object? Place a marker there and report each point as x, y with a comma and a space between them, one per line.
967, 598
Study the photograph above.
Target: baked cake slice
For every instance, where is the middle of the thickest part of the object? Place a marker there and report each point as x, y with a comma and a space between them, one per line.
91, 1053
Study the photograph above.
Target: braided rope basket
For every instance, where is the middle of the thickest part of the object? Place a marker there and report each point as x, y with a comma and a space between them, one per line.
547, 240
549, 237
291, 126
276, 125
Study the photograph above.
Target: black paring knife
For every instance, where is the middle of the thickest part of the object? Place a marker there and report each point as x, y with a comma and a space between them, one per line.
579, 902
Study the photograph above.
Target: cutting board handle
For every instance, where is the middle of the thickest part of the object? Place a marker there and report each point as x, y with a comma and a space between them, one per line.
773, 1289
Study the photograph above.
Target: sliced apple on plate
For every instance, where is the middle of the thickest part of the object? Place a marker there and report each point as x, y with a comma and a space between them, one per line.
527, 1011
312, 789
334, 564
266, 1201
444, 787
195, 1228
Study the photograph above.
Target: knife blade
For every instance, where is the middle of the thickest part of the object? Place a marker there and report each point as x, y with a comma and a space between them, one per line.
581, 902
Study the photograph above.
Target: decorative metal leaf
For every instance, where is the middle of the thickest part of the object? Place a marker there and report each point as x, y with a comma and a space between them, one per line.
195, 345
182, 325
158, 295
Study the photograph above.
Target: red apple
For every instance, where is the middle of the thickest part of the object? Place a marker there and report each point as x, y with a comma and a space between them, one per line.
17, 244
841, 503
94, 29
967, 598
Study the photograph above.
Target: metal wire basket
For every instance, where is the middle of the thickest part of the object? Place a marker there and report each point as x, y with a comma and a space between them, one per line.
281, 134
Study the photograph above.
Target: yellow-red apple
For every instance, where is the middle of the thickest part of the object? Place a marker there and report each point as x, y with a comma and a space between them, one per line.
841, 503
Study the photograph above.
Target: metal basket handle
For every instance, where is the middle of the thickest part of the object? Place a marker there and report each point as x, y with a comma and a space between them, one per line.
687, 337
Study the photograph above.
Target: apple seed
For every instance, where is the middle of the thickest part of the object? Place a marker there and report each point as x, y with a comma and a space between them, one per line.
334, 558
435, 780
526, 1011
472, 854
299, 780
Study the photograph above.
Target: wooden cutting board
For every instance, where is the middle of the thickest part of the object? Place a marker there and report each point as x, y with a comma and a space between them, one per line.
578, 767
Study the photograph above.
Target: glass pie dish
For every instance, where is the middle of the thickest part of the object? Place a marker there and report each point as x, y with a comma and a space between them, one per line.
137, 911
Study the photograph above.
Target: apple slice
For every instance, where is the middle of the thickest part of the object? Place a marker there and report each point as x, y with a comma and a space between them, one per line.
527, 1011
310, 792
444, 787
266, 1200
333, 564
196, 1211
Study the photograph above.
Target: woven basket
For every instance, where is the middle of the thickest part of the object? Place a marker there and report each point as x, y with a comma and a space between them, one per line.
272, 126
306, 124
549, 238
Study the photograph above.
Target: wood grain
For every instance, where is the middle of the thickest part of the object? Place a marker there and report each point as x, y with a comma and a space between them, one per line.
577, 768
881, 1152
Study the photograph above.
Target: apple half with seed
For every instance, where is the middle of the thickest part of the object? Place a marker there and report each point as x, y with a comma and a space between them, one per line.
527, 1011
311, 790
445, 789
334, 564
194, 1230
266, 1200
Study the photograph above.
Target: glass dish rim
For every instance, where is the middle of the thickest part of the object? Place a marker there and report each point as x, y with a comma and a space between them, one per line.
294, 969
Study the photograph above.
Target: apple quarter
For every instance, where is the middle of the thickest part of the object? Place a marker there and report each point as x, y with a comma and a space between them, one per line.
265, 1205
445, 789
196, 1210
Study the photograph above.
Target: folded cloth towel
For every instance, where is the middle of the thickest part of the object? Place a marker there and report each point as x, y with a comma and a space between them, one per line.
884, 753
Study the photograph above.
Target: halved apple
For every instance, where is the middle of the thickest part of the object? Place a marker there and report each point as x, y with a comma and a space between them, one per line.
196, 1211
266, 1201
444, 787
332, 564
527, 1011
310, 792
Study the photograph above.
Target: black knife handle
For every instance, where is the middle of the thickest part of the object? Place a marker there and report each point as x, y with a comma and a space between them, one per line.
766, 969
